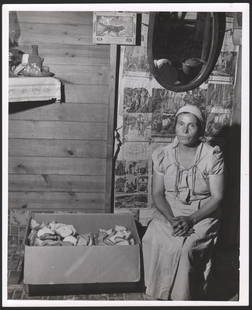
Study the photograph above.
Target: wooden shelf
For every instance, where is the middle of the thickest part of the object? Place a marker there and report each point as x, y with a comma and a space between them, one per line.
23, 89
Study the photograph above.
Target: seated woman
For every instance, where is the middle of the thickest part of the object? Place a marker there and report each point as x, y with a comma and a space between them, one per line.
187, 192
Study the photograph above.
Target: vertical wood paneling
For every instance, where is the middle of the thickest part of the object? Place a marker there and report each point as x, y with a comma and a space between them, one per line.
60, 154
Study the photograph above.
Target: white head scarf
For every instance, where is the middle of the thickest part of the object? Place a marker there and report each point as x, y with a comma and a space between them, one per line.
193, 109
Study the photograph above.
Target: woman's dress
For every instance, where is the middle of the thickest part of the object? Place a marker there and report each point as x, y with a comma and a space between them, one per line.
172, 264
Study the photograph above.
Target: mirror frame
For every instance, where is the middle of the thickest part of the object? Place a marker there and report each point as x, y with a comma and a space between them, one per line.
218, 32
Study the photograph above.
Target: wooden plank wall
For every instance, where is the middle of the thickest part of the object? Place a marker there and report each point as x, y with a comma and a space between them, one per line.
58, 154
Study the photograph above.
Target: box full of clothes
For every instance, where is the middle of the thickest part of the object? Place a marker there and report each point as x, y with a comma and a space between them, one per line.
77, 248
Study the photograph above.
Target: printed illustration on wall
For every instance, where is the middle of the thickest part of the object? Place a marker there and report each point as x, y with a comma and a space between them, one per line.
225, 65
228, 44
137, 126
131, 184
114, 28
218, 119
136, 100
197, 96
132, 151
225, 68
220, 95
135, 61
165, 103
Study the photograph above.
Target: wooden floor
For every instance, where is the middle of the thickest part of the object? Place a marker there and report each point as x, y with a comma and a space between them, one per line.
18, 292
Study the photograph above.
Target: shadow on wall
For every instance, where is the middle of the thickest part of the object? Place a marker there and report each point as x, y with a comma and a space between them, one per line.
224, 278
15, 107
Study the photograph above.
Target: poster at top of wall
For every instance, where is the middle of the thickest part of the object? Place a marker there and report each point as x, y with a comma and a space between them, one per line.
114, 28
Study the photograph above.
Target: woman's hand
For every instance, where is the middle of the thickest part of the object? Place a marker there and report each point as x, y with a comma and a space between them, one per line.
182, 226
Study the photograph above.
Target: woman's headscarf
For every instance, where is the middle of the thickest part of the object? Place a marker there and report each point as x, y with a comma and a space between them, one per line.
193, 109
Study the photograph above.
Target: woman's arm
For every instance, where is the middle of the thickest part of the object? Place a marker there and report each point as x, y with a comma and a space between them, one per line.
159, 196
216, 183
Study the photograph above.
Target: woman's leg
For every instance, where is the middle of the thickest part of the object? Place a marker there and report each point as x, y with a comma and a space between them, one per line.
181, 286
189, 278
161, 252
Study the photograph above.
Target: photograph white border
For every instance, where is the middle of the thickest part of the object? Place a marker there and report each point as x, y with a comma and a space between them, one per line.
244, 194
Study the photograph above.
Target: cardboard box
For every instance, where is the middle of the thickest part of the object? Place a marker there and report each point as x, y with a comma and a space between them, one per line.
92, 265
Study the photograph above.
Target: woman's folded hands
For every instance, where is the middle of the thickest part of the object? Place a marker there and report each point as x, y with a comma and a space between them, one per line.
182, 226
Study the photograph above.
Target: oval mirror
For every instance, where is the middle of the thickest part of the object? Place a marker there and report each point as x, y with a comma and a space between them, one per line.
183, 47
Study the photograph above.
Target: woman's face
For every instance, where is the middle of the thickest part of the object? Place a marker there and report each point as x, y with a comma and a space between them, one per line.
187, 129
